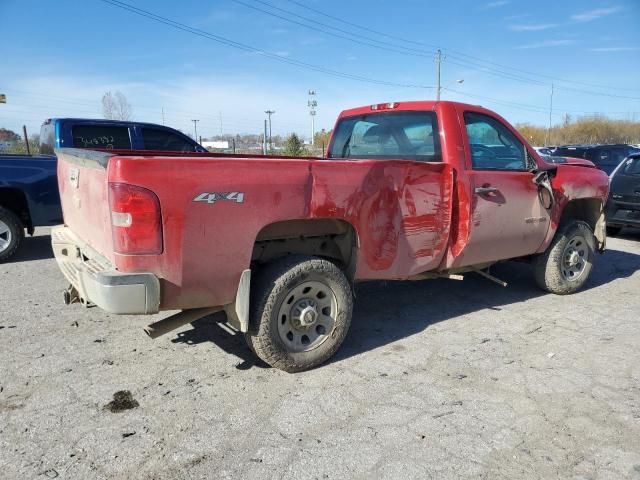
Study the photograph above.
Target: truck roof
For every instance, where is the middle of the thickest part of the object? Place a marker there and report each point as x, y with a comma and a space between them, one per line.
103, 121
403, 106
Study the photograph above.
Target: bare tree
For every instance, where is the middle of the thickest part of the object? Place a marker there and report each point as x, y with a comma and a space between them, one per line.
115, 106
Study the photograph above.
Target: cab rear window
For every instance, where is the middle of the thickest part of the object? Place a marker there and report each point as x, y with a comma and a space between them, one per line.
388, 135
101, 136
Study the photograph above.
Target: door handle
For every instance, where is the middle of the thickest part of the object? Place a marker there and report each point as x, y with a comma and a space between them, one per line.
483, 190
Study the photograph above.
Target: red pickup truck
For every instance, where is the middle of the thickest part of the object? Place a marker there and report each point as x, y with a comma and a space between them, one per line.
408, 190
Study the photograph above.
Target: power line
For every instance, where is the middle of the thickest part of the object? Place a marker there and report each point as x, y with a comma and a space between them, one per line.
396, 48
172, 112
452, 52
336, 73
248, 48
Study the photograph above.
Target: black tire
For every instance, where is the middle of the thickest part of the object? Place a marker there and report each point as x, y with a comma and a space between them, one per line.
613, 231
272, 291
11, 230
552, 268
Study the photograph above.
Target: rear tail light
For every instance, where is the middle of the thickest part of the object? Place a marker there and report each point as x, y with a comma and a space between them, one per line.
135, 219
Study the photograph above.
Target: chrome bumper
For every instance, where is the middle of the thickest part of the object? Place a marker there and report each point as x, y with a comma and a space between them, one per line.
98, 282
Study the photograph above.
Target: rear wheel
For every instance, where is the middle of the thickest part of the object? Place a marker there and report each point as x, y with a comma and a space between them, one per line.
300, 312
565, 267
11, 234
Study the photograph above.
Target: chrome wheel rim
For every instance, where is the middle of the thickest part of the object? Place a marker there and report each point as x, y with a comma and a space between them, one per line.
574, 259
5, 236
306, 317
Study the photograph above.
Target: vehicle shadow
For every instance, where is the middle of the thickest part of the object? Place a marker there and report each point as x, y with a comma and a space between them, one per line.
212, 328
33, 248
629, 233
388, 311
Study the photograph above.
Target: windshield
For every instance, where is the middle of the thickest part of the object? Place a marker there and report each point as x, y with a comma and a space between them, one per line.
394, 135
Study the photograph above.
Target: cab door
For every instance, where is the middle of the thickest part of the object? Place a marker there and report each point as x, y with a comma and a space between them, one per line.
508, 219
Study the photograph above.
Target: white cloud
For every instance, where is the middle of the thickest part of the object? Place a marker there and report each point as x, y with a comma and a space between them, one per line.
496, 4
614, 49
594, 14
518, 16
545, 44
533, 27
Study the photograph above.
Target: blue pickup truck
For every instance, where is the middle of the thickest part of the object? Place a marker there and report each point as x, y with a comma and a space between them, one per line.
28, 183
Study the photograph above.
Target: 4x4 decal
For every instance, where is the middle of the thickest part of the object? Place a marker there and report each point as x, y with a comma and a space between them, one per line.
213, 197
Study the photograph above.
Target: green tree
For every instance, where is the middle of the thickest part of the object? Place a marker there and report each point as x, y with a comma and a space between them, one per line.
19, 147
293, 146
321, 138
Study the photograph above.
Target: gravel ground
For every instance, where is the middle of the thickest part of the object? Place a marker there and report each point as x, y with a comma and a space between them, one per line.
437, 379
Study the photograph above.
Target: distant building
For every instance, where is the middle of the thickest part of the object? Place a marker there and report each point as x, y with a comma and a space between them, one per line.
217, 145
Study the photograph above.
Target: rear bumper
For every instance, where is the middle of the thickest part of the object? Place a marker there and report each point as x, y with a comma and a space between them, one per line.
98, 282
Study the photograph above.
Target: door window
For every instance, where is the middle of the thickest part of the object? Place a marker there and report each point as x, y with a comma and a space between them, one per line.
492, 145
101, 136
158, 139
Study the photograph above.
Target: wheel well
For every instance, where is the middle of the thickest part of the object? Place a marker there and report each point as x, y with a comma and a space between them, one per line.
586, 209
15, 200
333, 239
590, 211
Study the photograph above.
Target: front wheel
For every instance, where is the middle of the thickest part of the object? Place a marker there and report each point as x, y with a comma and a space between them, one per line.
300, 312
565, 267
11, 234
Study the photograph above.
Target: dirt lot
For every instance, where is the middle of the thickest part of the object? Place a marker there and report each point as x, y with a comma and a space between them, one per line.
437, 379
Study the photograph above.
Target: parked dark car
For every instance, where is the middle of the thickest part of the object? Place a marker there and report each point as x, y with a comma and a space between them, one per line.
29, 185
605, 157
113, 135
623, 206
28, 198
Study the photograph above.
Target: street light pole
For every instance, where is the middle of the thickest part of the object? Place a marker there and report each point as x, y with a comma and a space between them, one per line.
269, 113
312, 104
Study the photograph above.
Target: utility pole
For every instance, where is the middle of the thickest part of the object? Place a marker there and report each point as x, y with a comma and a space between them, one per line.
439, 58
312, 104
26, 139
162, 115
550, 113
269, 113
220, 112
264, 138
195, 129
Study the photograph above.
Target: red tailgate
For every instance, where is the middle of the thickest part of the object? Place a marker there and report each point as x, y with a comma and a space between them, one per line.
82, 179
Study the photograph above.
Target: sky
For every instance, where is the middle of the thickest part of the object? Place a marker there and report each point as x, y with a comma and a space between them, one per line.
225, 62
